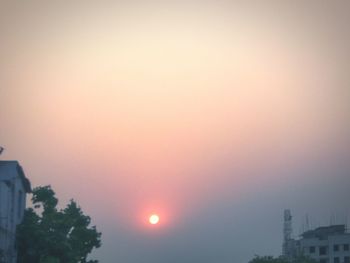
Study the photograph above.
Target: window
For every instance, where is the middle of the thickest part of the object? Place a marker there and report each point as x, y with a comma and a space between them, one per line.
347, 259
336, 248
346, 247
336, 260
312, 250
323, 250
324, 260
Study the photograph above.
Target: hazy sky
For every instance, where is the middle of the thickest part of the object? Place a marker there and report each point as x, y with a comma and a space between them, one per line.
216, 115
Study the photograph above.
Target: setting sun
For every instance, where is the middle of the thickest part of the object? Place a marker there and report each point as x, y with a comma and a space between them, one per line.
154, 219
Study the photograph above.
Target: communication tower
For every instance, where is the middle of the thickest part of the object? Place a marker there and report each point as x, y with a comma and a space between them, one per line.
287, 231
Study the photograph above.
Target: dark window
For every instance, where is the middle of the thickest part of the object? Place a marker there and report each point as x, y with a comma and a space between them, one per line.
347, 259
323, 250
336, 260
312, 250
346, 247
336, 248
324, 260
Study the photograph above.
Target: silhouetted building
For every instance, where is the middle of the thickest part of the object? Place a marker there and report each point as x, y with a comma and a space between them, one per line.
13, 189
327, 244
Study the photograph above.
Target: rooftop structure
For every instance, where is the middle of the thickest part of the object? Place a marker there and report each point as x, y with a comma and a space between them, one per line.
324, 231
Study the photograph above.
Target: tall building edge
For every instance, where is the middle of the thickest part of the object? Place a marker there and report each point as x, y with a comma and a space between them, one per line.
14, 186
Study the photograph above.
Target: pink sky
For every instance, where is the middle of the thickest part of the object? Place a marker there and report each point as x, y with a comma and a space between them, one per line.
134, 109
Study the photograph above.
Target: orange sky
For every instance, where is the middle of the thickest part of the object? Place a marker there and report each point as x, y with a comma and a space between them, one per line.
159, 106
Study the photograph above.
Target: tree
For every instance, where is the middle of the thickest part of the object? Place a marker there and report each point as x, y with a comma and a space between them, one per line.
2, 257
49, 235
303, 259
270, 259
267, 259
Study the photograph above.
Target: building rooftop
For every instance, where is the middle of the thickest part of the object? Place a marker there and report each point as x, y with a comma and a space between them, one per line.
325, 231
13, 168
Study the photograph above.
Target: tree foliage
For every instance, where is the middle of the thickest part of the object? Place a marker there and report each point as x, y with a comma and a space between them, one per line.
49, 235
270, 259
2, 257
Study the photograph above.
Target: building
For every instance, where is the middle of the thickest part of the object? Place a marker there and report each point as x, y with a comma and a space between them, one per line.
327, 244
13, 189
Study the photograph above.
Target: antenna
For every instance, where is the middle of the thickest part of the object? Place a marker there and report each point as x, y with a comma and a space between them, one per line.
307, 222
331, 219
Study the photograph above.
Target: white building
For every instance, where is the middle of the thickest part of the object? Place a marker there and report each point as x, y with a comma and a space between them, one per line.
13, 188
328, 244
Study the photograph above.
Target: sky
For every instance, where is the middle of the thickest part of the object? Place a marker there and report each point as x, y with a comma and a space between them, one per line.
216, 115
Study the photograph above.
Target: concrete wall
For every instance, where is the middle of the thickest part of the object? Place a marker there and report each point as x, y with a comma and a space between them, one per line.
329, 243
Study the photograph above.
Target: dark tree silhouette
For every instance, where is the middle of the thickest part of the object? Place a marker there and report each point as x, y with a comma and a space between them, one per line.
49, 235
2, 259
270, 259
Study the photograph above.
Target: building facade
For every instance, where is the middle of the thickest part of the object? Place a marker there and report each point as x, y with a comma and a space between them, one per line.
13, 189
327, 244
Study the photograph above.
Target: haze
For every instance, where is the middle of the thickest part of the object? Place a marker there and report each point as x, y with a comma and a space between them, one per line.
214, 115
